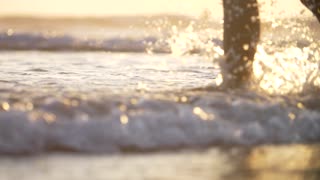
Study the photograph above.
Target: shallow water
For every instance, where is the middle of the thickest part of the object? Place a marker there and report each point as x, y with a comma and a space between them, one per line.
297, 162
111, 72
107, 102
110, 105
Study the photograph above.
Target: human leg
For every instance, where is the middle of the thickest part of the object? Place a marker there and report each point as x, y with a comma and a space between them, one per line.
241, 35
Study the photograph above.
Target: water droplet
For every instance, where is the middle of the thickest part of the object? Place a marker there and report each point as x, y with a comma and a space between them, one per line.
246, 47
292, 116
300, 105
6, 106
202, 114
184, 99
124, 119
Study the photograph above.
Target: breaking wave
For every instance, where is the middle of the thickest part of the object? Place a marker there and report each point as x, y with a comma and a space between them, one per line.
31, 41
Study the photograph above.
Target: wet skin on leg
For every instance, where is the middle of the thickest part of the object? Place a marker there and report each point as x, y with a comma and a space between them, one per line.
241, 35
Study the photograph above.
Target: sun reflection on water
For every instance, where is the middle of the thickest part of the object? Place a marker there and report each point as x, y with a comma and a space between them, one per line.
294, 158
202, 114
124, 119
287, 58
39, 115
289, 70
5, 106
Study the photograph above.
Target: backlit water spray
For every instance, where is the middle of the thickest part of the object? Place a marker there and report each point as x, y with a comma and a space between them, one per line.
287, 59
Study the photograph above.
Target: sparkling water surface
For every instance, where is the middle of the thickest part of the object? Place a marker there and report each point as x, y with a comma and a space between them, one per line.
109, 102
89, 93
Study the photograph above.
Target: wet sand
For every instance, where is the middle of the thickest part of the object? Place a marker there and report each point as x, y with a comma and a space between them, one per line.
292, 162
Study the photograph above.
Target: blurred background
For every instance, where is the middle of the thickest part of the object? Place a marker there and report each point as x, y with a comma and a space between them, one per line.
129, 7
115, 76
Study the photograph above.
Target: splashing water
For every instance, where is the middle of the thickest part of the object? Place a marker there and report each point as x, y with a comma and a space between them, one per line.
109, 102
290, 70
201, 36
287, 59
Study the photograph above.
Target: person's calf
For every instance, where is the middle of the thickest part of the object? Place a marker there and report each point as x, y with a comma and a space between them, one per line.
241, 36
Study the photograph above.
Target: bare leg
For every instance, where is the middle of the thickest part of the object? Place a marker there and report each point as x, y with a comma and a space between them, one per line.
314, 6
241, 35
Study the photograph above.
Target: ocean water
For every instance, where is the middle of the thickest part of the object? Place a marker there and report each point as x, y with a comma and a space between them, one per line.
122, 97
135, 84
135, 94
259, 163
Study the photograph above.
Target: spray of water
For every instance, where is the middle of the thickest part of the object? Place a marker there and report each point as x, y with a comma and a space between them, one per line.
287, 60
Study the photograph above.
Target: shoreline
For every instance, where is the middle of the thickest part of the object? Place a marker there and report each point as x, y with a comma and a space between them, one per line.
259, 162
